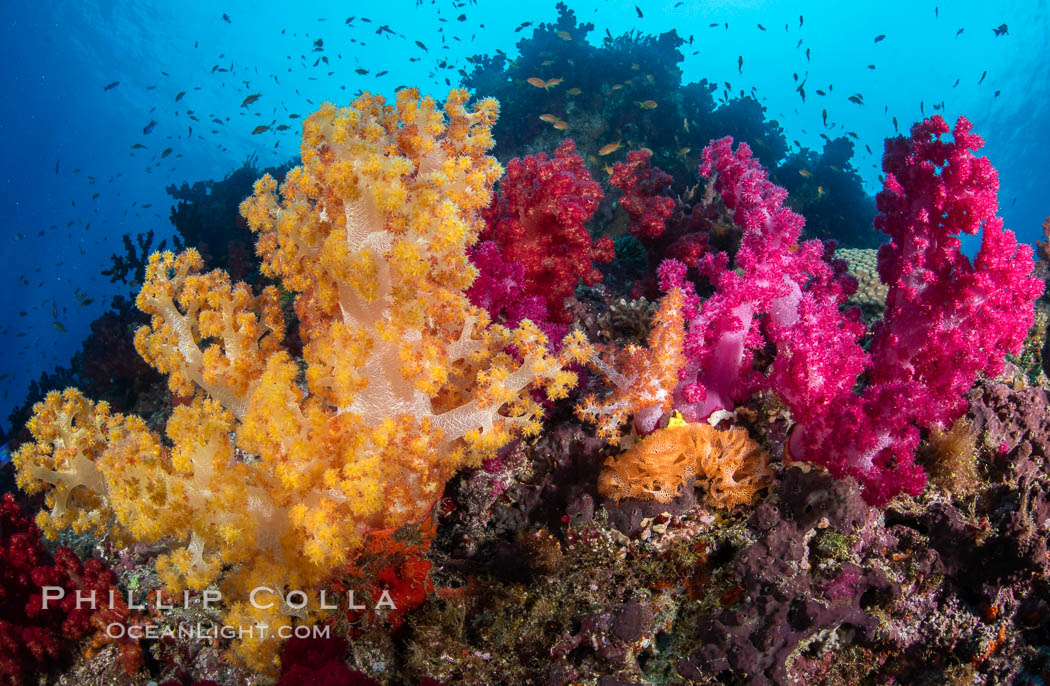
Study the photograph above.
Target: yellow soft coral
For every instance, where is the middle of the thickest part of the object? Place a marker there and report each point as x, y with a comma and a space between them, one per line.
279, 468
727, 463
70, 435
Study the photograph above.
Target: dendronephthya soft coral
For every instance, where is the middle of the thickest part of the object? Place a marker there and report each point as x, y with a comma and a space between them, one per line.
280, 468
948, 319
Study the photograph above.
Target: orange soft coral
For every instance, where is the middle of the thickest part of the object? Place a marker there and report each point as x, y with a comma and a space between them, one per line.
731, 467
643, 378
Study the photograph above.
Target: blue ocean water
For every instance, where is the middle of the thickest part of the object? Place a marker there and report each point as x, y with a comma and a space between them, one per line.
98, 92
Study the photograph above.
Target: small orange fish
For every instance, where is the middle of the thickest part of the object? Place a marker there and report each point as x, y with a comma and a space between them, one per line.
549, 118
647, 150
564, 35
608, 170
551, 83
561, 125
820, 191
683, 152
574, 91
546, 63
635, 67
685, 123
536, 81
609, 148
648, 104
805, 173
650, 78
616, 86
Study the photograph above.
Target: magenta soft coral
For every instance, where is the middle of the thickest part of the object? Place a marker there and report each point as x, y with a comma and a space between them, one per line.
321, 662
499, 289
783, 294
947, 319
537, 220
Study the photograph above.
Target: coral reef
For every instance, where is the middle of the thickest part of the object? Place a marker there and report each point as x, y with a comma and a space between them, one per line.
758, 458
799, 598
130, 268
624, 94
207, 217
870, 296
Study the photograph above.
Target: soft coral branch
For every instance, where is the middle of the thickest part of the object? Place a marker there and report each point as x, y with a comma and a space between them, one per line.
948, 318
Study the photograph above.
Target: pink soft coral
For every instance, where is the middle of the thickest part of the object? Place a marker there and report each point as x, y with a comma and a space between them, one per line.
947, 320
784, 294
499, 289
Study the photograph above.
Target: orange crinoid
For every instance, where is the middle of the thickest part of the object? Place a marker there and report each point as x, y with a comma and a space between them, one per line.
730, 466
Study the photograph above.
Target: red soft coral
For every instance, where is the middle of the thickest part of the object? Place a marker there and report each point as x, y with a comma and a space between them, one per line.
537, 220
406, 585
644, 189
33, 634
